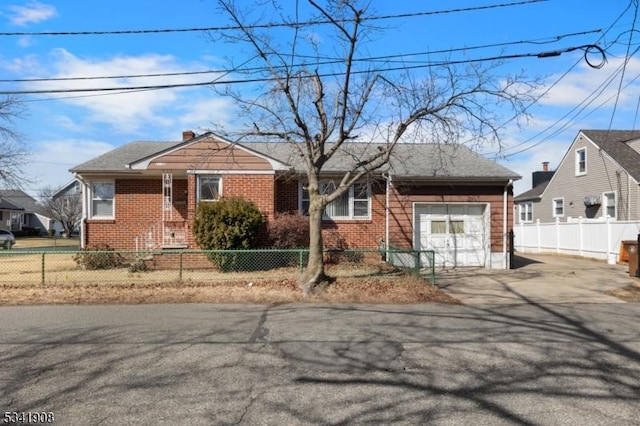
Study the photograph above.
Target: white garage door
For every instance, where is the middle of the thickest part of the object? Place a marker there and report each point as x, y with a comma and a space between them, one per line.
456, 232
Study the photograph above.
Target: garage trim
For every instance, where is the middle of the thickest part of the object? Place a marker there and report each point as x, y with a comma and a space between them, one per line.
486, 224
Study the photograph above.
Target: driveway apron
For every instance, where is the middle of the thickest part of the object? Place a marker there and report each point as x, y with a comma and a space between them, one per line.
537, 278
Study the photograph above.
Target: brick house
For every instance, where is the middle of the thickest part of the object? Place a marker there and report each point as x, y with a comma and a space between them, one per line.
445, 198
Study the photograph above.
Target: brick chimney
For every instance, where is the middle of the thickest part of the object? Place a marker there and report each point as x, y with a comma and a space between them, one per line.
188, 135
538, 178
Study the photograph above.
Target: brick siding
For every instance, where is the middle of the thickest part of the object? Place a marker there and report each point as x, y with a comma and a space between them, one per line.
138, 206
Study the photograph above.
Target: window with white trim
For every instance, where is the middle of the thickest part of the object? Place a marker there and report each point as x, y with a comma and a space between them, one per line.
209, 188
609, 204
581, 161
355, 203
526, 211
102, 199
558, 207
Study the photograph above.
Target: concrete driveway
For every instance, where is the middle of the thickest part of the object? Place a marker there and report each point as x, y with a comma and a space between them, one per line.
537, 278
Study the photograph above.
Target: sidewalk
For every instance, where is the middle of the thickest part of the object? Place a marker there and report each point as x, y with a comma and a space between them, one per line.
537, 278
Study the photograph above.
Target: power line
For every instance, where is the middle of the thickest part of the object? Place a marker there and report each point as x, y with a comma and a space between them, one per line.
326, 61
269, 25
544, 54
569, 122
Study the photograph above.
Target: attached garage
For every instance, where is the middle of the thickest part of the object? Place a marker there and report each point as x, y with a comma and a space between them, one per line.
458, 233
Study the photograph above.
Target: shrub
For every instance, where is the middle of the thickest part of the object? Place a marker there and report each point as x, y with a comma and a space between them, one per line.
26, 231
99, 256
228, 224
337, 249
288, 230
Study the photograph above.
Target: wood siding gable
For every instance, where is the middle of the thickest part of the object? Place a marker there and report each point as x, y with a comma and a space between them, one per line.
210, 154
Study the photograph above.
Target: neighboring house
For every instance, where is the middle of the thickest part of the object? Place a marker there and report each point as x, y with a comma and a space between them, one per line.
68, 191
528, 201
18, 210
597, 178
446, 198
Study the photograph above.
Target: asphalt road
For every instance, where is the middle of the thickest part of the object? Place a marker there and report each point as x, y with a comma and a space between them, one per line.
299, 364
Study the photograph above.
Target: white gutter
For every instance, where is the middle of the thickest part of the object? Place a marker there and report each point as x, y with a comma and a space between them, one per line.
389, 185
84, 209
504, 223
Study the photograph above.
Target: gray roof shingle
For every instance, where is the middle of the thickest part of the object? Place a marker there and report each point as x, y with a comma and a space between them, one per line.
408, 160
614, 143
532, 194
119, 158
21, 201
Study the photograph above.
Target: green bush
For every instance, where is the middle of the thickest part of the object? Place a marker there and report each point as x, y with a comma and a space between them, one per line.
99, 256
227, 224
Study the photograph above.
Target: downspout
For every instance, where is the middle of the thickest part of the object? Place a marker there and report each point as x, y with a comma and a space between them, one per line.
387, 178
504, 223
84, 210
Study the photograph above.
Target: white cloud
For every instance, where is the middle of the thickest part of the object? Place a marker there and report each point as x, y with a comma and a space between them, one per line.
205, 112
126, 112
595, 86
32, 12
52, 159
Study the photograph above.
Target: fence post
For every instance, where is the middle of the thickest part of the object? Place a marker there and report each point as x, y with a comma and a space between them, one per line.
180, 267
42, 281
637, 271
433, 267
538, 234
512, 249
557, 235
580, 235
609, 249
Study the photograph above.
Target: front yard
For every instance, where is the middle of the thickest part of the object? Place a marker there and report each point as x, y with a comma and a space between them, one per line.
54, 277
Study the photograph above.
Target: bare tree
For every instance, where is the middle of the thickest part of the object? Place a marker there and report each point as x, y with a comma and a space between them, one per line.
327, 105
65, 208
13, 155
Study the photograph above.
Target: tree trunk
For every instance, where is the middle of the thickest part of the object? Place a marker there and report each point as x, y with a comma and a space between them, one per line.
313, 277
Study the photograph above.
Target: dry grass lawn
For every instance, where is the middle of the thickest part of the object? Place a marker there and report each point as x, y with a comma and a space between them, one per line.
22, 282
405, 289
630, 293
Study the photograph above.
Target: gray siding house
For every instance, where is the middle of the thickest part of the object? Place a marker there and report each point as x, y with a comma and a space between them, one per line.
598, 177
18, 210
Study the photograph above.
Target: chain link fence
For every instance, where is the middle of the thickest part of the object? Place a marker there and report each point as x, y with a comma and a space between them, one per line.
53, 267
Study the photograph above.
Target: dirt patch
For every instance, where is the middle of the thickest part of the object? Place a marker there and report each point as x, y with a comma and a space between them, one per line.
630, 293
398, 289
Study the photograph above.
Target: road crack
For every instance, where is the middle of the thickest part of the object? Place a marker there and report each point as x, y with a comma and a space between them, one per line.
261, 332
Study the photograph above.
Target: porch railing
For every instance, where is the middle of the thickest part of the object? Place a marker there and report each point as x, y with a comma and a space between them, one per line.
162, 235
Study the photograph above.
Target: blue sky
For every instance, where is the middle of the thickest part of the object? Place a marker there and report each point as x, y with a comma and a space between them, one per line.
64, 130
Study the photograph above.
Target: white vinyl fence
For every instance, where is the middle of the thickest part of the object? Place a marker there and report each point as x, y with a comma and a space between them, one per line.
597, 239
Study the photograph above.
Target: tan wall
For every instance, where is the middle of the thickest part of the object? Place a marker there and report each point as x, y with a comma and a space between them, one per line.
603, 175
209, 154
